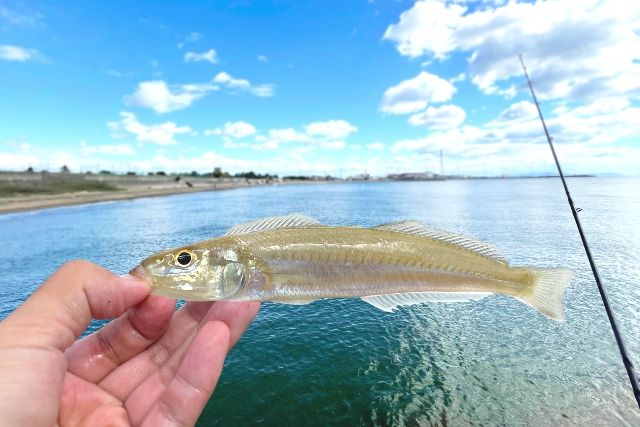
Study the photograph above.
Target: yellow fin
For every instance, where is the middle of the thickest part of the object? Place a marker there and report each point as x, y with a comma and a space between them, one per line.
418, 229
548, 289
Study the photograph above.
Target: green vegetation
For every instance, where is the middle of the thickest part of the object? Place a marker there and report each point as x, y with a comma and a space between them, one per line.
25, 188
253, 175
217, 173
297, 178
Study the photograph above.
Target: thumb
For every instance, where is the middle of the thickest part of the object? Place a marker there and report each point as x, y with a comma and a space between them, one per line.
61, 309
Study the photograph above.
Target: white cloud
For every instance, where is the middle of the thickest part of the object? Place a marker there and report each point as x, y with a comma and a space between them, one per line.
161, 134
238, 129
573, 49
116, 73
158, 96
495, 160
265, 145
332, 144
591, 138
12, 161
20, 18
375, 146
162, 97
208, 56
263, 58
455, 140
20, 54
295, 160
427, 27
263, 90
415, 94
194, 37
444, 117
459, 78
330, 135
108, 149
523, 110
191, 38
331, 129
204, 162
279, 136
89, 157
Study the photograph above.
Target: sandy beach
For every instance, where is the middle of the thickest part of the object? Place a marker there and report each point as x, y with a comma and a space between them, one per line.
127, 188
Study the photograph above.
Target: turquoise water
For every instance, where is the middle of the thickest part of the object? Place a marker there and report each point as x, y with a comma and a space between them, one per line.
342, 362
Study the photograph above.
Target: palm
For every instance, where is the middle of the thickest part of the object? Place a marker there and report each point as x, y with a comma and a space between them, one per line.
150, 366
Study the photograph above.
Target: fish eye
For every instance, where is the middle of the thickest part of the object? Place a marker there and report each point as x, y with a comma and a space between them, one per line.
184, 258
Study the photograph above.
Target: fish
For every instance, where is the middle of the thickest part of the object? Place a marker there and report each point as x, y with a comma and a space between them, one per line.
294, 259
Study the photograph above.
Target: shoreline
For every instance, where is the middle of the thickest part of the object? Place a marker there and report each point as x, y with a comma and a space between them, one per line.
18, 204
143, 188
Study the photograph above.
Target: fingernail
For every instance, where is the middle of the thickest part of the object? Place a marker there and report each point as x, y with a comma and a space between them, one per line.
132, 281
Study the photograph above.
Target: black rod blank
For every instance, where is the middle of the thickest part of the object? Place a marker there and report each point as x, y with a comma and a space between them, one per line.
628, 364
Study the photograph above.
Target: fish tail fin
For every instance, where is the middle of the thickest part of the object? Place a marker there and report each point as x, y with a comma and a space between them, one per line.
548, 288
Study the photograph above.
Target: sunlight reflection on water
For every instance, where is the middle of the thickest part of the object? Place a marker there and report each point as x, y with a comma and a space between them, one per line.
492, 362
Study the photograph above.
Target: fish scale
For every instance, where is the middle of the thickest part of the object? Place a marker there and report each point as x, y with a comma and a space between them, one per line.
293, 259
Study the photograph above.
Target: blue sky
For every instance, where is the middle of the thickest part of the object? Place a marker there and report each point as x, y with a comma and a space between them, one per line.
339, 87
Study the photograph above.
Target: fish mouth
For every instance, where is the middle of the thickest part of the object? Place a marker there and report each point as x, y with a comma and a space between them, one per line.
141, 273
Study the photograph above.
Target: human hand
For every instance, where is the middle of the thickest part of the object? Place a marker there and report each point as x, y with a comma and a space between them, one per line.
149, 366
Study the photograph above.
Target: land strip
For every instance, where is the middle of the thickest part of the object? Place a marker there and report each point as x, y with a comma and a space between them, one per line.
23, 191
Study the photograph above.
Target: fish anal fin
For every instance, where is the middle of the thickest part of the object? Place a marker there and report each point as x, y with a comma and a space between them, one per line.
416, 228
285, 221
390, 302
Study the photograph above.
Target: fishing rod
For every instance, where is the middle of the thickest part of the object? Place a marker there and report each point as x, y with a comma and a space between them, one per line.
628, 364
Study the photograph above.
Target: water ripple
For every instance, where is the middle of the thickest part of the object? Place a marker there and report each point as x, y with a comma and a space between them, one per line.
342, 362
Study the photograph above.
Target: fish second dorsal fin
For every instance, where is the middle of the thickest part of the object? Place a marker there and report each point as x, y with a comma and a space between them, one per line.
469, 243
285, 221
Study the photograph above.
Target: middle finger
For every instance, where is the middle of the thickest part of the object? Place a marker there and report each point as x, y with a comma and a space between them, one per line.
125, 378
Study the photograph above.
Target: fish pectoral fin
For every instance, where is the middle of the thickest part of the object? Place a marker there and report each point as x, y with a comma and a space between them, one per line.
390, 302
285, 221
416, 228
297, 302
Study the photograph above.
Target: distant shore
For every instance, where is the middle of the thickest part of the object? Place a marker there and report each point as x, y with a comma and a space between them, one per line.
20, 191
117, 188
27, 203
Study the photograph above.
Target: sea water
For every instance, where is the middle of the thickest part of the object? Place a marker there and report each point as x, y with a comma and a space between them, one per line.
343, 362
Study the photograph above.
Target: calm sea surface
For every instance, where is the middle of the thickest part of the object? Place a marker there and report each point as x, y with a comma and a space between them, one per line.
342, 362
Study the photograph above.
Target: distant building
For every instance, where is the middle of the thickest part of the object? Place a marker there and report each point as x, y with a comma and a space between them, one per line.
416, 176
359, 177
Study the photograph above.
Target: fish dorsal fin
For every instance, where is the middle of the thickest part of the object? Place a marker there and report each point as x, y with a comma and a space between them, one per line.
285, 221
418, 229
391, 301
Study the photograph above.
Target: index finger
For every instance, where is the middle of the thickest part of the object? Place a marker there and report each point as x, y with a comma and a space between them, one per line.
96, 355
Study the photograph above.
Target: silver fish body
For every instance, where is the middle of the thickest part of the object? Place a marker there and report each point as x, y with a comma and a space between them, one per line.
295, 260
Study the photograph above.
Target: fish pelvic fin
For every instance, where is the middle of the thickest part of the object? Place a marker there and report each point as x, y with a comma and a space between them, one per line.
548, 288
